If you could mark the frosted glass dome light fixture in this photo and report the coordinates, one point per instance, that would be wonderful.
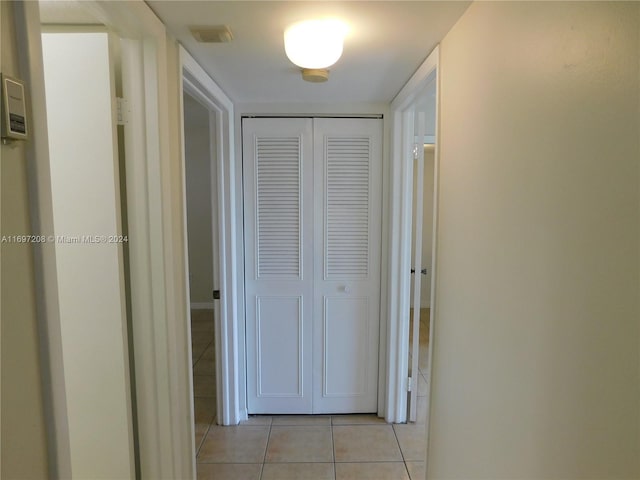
(315, 45)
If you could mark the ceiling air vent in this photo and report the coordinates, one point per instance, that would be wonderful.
(215, 34)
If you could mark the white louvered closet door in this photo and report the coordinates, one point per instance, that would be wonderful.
(312, 193)
(278, 221)
(348, 197)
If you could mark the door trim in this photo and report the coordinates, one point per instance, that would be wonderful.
(164, 440)
(402, 137)
(319, 110)
(199, 84)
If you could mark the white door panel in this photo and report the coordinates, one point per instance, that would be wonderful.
(278, 264)
(348, 162)
(279, 323)
(345, 323)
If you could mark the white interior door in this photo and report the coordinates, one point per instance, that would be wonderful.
(348, 162)
(277, 164)
(312, 264)
(417, 269)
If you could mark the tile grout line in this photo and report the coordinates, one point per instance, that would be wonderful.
(204, 438)
(266, 448)
(202, 354)
(404, 461)
(333, 450)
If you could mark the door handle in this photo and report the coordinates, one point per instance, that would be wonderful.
(423, 271)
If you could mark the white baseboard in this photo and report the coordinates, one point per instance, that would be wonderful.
(201, 305)
(243, 415)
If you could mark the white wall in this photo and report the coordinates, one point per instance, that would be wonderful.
(84, 178)
(197, 132)
(536, 371)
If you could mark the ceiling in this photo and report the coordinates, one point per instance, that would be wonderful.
(65, 12)
(388, 41)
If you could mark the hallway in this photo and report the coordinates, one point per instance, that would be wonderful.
(312, 447)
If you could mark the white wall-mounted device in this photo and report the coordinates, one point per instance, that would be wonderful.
(14, 110)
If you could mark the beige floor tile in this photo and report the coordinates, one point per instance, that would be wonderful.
(234, 445)
(201, 342)
(298, 471)
(368, 419)
(197, 351)
(422, 410)
(423, 359)
(412, 441)
(209, 353)
(365, 443)
(201, 332)
(204, 366)
(416, 470)
(200, 430)
(204, 409)
(371, 471)
(202, 316)
(317, 420)
(422, 385)
(206, 321)
(204, 386)
(229, 471)
(202, 311)
(299, 444)
(257, 420)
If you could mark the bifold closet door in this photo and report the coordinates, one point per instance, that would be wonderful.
(278, 203)
(348, 165)
(312, 195)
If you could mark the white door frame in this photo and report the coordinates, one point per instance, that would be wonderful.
(417, 228)
(402, 140)
(1, 69)
(165, 440)
(201, 86)
(374, 110)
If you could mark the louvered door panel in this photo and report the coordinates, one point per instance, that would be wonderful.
(348, 162)
(278, 206)
(347, 207)
(278, 222)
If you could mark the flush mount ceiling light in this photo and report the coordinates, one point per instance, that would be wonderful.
(315, 45)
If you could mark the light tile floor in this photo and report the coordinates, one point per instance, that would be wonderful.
(300, 447)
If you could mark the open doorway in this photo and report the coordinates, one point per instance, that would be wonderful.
(422, 234)
(199, 151)
(413, 267)
(228, 388)
(421, 270)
